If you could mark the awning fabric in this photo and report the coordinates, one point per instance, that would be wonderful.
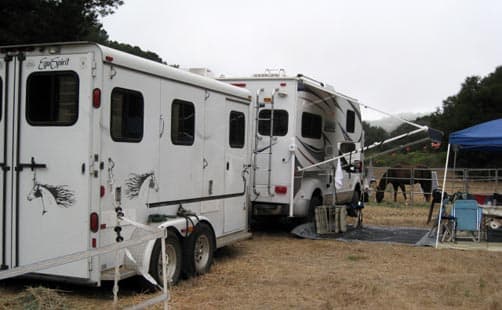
(484, 137)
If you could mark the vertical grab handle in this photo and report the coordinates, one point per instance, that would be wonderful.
(161, 125)
(204, 163)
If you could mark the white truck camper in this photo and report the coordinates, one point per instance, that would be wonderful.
(90, 133)
(300, 122)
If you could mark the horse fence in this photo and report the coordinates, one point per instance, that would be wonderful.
(474, 181)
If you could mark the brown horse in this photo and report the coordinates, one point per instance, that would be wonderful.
(399, 176)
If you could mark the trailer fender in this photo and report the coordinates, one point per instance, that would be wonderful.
(179, 226)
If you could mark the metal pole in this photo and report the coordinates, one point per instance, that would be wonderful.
(255, 151)
(270, 144)
(164, 272)
(424, 128)
(291, 192)
(442, 195)
(412, 183)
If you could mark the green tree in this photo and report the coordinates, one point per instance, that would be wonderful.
(36, 21)
(373, 134)
(479, 100)
(39, 21)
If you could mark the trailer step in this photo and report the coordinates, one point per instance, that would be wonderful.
(125, 272)
(228, 239)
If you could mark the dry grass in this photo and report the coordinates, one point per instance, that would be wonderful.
(277, 271)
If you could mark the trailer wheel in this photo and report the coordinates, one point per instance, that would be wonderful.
(173, 260)
(199, 250)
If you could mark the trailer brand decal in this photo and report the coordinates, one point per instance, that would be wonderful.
(53, 63)
(60, 194)
(135, 182)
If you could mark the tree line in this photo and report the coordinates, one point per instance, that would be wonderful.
(38, 21)
(41, 21)
(478, 100)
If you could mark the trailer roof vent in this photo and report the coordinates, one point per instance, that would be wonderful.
(270, 73)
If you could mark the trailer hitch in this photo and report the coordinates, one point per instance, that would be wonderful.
(33, 165)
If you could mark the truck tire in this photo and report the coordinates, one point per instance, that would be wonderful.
(358, 212)
(173, 260)
(315, 201)
(199, 250)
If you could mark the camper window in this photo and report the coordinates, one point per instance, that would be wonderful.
(351, 121)
(280, 123)
(237, 129)
(182, 122)
(52, 98)
(311, 125)
(126, 115)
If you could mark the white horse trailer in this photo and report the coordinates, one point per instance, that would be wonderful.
(300, 122)
(90, 132)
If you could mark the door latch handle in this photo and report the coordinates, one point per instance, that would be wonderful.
(204, 163)
(4, 167)
(33, 165)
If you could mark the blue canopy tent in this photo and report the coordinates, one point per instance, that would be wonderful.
(482, 137)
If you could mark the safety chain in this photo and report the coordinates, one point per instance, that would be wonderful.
(117, 193)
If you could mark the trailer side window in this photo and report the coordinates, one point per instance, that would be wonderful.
(311, 125)
(351, 121)
(126, 115)
(237, 129)
(182, 122)
(52, 98)
(280, 123)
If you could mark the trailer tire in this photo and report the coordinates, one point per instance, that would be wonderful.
(173, 257)
(199, 250)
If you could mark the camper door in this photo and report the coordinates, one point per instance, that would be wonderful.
(349, 171)
(236, 162)
(45, 185)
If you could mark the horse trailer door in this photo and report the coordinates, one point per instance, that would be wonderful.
(4, 72)
(49, 113)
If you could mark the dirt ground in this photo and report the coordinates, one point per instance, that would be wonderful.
(275, 270)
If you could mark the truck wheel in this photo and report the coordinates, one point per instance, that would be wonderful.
(199, 250)
(173, 260)
(315, 201)
(356, 197)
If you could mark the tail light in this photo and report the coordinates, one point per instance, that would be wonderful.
(279, 189)
(96, 98)
(94, 222)
(102, 191)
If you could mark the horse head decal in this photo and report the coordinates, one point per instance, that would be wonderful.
(135, 182)
(60, 195)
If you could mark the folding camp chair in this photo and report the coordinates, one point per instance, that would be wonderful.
(467, 217)
(447, 223)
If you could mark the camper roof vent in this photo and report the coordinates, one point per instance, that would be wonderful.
(271, 73)
(202, 71)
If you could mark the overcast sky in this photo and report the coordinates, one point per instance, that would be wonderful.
(394, 55)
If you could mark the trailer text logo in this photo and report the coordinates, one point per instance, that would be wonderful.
(53, 63)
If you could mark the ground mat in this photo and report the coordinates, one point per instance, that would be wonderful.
(405, 235)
